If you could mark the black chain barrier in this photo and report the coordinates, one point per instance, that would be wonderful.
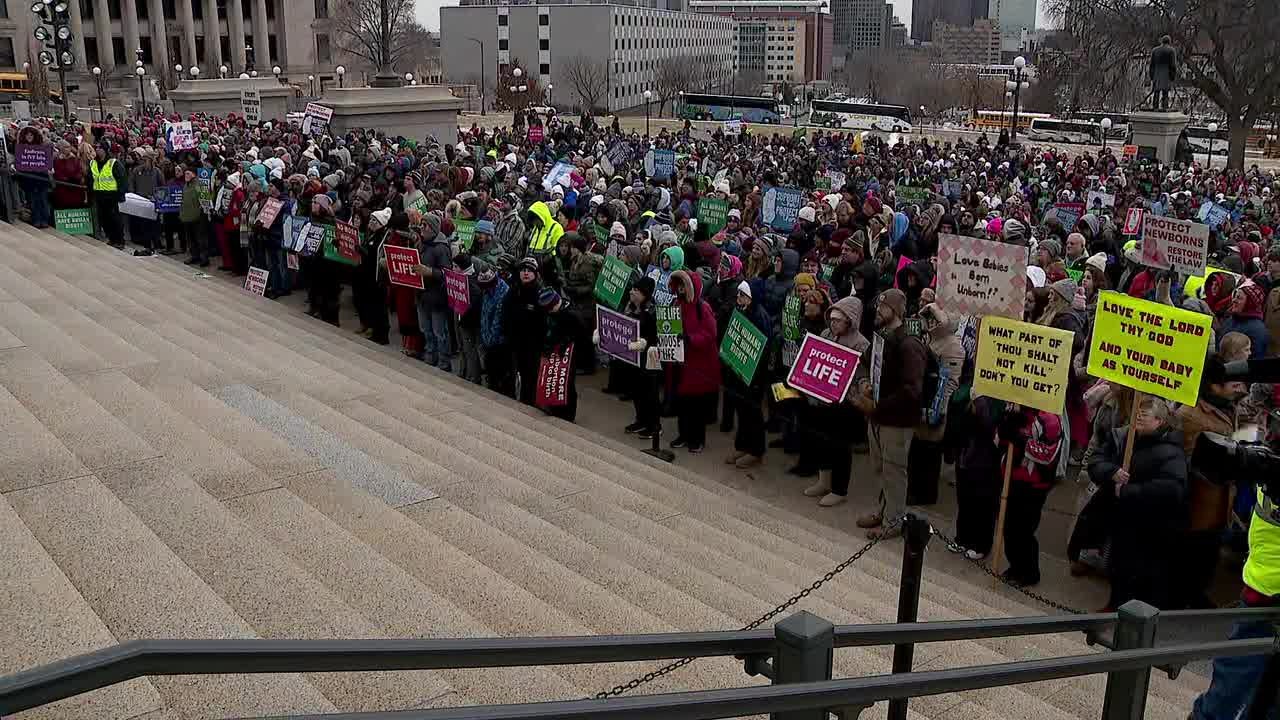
(982, 565)
(889, 529)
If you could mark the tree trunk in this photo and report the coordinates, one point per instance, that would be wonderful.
(1239, 138)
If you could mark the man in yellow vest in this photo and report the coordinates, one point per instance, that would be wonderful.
(107, 181)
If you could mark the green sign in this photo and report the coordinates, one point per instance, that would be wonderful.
(601, 233)
(823, 183)
(420, 204)
(1077, 275)
(670, 322)
(329, 247)
(912, 195)
(74, 221)
(791, 318)
(465, 232)
(742, 347)
(712, 213)
(611, 283)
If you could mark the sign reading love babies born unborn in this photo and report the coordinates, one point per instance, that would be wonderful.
(1173, 244)
(823, 369)
(1152, 348)
(617, 332)
(981, 277)
(1023, 363)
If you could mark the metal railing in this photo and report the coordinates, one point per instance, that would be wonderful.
(796, 654)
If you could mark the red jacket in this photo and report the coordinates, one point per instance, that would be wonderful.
(700, 374)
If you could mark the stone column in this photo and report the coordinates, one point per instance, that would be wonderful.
(212, 41)
(102, 31)
(129, 21)
(188, 21)
(261, 44)
(235, 29)
(77, 34)
(159, 38)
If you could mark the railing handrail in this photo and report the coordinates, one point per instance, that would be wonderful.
(140, 658)
(852, 692)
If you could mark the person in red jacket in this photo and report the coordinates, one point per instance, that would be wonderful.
(699, 381)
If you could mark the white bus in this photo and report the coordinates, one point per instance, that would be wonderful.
(1198, 137)
(1064, 131)
(844, 115)
(1119, 122)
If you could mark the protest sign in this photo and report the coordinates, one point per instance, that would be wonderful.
(1150, 347)
(712, 213)
(73, 221)
(251, 106)
(660, 163)
(137, 206)
(781, 207)
(742, 347)
(291, 261)
(168, 199)
(619, 153)
(458, 290)
(535, 134)
(617, 331)
(33, 158)
(256, 281)
(1173, 244)
(1212, 214)
(837, 179)
(553, 377)
(981, 277)
(347, 240)
(952, 188)
(561, 170)
(662, 295)
(877, 364)
(464, 231)
(183, 137)
(611, 283)
(1129, 151)
(732, 127)
(1097, 199)
(912, 195)
(315, 120)
(271, 208)
(1076, 275)
(402, 264)
(1133, 221)
(791, 309)
(1022, 363)
(1068, 214)
(823, 369)
(670, 328)
(329, 246)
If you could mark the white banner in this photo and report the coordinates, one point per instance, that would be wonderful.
(1173, 244)
(251, 106)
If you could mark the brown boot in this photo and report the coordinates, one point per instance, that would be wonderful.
(872, 520)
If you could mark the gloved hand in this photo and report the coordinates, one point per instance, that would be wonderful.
(595, 337)
(638, 345)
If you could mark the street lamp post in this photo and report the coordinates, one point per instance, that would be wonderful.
(923, 114)
(550, 87)
(648, 95)
(342, 72)
(1017, 85)
(177, 74)
(222, 71)
(408, 78)
(1213, 130)
(275, 70)
(481, 44)
(1106, 128)
(311, 85)
(248, 57)
(99, 80)
(142, 95)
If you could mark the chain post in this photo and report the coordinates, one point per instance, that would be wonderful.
(805, 650)
(1126, 697)
(915, 532)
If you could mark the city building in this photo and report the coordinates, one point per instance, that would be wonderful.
(206, 34)
(898, 33)
(1014, 17)
(977, 44)
(629, 41)
(777, 40)
(924, 13)
(860, 24)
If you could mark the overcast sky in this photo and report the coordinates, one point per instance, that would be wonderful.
(429, 11)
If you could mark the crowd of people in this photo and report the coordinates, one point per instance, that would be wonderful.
(546, 203)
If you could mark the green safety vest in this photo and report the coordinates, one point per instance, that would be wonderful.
(1262, 569)
(104, 177)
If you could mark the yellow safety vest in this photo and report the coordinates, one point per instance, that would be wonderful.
(104, 178)
(1262, 569)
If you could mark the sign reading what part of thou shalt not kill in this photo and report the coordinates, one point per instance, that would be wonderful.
(1022, 363)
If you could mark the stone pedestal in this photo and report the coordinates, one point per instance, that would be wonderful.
(1156, 133)
(414, 111)
(220, 97)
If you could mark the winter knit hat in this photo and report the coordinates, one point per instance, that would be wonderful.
(744, 288)
(1053, 247)
(383, 217)
(895, 300)
(528, 263)
(486, 276)
(1066, 288)
(548, 298)
(618, 230)
(1098, 261)
(485, 226)
(1015, 231)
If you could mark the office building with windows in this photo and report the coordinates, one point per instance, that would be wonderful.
(963, 13)
(779, 41)
(629, 41)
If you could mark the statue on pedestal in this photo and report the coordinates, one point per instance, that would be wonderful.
(1162, 73)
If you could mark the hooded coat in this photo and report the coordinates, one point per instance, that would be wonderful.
(921, 271)
(700, 373)
(851, 307)
(779, 285)
(1249, 320)
(543, 239)
(437, 255)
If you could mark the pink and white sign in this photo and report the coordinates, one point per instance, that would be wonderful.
(458, 290)
(402, 263)
(256, 281)
(981, 277)
(1173, 244)
(1133, 221)
(823, 369)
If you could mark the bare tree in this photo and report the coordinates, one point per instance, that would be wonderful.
(1227, 49)
(867, 71)
(747, 81)
(382, 40)
(674, 74)
(587, 78)
(420, 49)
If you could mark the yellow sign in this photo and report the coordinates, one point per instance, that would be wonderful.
(1152, 348)
(1022, 363)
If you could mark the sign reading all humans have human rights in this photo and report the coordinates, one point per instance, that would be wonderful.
(1152, 348)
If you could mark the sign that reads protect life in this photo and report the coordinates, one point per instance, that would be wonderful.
(981, 277)
(1023, 363)
(1152, 348)
(1173, 244)
(823, 369)
(402, 264)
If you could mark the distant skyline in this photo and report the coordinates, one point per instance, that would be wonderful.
(429, 12)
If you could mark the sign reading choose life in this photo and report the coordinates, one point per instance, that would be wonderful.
(1022, 363)
(981, 277)
(1152, 348)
